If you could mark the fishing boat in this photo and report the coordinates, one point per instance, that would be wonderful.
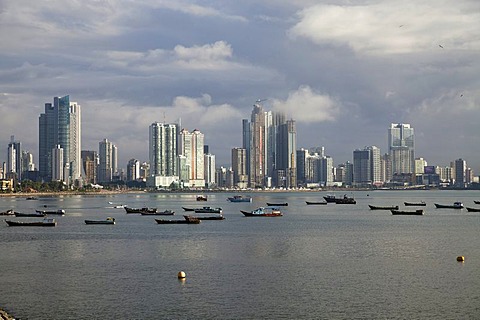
(345, 200)
(415, 204)
(476, 201)
(473, 209)
(329, 198)
(140, 210)
(9, 212)
(47, 222)
(316, 202)
(263, 212)
(277, 204)
(240, 198)
(418, 212)
(35, 214)
(202, 198)
(57, 212)
(372, 207)
(208, 210)
(109, 220)
(455, 205)
(187, 220)
(158, 213)
(215, 217)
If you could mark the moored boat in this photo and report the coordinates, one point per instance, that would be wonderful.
(208, 210)
(263, 212)
(455, 205)
(109, 220)
(418, 212)
(140, 210)
(476, 202)
(35, 214)
(215, 217)
(188, 209)
(202, 198)
(316, 202)
(330, 198)
(47, 222)
(9, 212)
(158, 213)
(469, 209)
(372, 207)
(345, 200)
(415, 204)
(240, 198)
(277, 204)
(57, 212)
(187, 220)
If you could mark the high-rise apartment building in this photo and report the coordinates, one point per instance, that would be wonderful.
(209, 162)
(190, 145)
(401, 147)
(163, 149)
(107, 160)
(60, 125)
(91, 161)
(460, 167)
(133, 170)
(239, 167)
(270, 143)
(14, 158)
(367, 167)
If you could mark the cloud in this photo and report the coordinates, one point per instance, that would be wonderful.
(387, 27)
(305, 105)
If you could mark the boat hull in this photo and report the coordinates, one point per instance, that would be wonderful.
(99, 222)
(448, 206)
(269, 214)
(316, 203)
(188, 220)
(415, 204)
(473, 209)
(160, 213)
(273, 204)
(408, 213)
(11, 223)
(372, 207)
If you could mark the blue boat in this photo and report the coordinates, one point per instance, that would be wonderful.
(240, 198)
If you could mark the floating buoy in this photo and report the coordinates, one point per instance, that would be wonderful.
(181, 275)
(460, 258)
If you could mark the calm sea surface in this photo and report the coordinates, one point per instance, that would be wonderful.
(315, 262)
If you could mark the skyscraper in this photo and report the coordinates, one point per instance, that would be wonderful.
(14, 158)
(60, 125)
(270, 144)
(401, 147)
(91, 161)
(163, 149)
(191, 146)
(367, 166)
(106, 153)
(239, 167)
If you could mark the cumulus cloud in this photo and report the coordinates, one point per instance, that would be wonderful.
(386, 27)
(305, 105)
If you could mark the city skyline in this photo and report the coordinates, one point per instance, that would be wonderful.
(344, 72)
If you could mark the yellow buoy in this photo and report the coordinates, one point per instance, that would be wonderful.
(181, 275)
(460, 258)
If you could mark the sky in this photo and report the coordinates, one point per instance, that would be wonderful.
(344, 70)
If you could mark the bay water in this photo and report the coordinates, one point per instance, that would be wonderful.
(315, 262)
